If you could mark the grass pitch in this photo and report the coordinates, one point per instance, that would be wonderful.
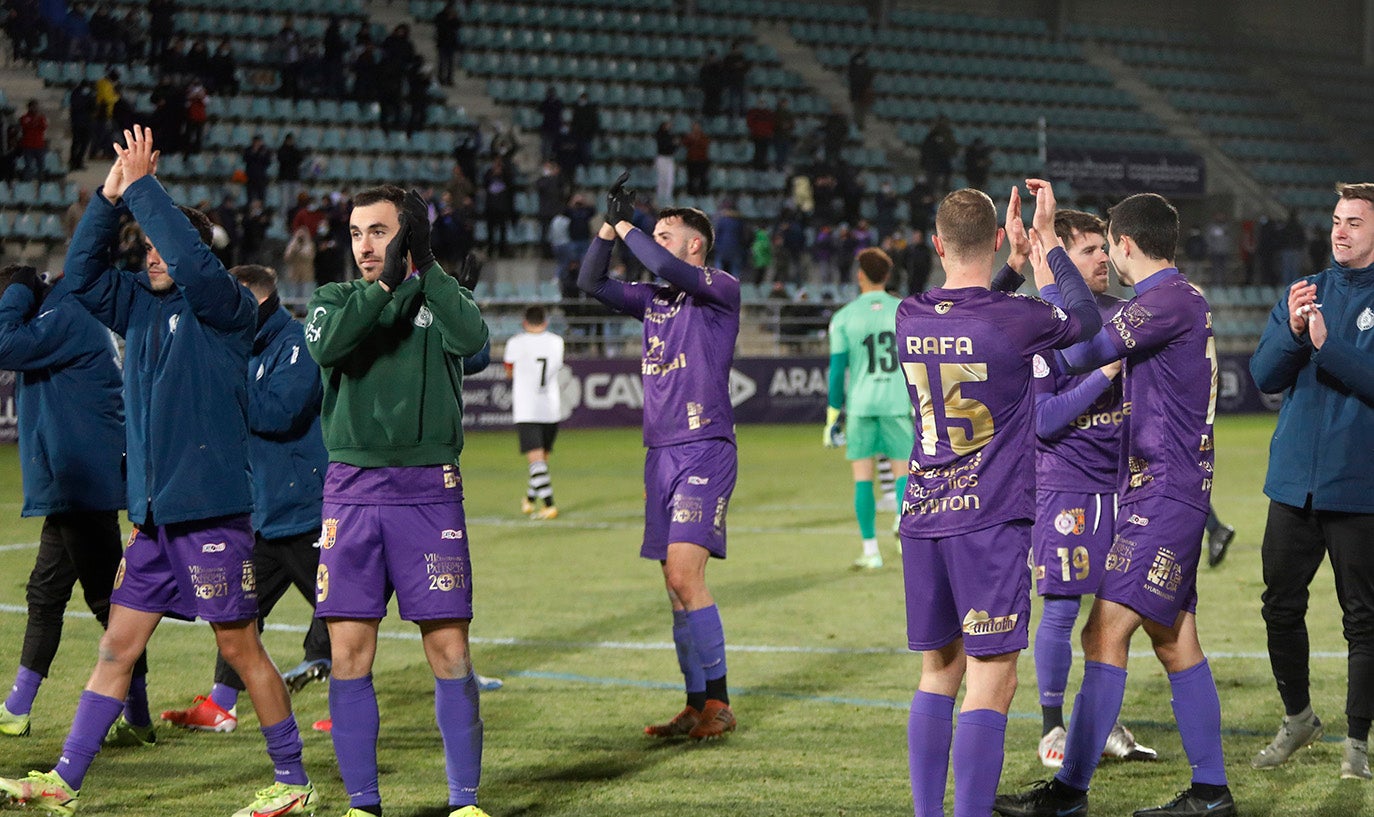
(578, 627)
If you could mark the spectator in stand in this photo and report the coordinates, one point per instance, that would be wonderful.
(335, 56)
(257, 158)
(791, 240)
(81, 110)
(289, 159)
(552, 191)
(860, 86)
(467, 144)
(287, 53)
(223, 76)
(921, 202)
(834, 134)
(1319, 247)
(730, 239)
(580, 214)
(1292, 242)
(499, 184)
(197, 114)
(556, 236)
(567, 152)
(161, 25)
(885, 203)
(760, 121)
(784, 133)
(460, 186)
(256, 220)
(550, 120)
(168, 117)
(846, 247)
(586, 126)
(24, 28)
(172, 60)
(226, 215)
(421, 88)
(977, 164)
(916, 262)
(698, 149)
(105, 36)
(75, 211)
(197, 62)
(1221, 248)
(366, 84)
(665, 165)
(106, 95)
(735, 72)
(132, 29)
(761, 253)
(447, 234)
(33, 140)
(711, 81)
(937, 155)
(76, 30)
(300, 264)
(332, 239)
(448, 29)
(1265, 269)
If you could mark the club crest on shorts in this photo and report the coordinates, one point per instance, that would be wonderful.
(1366, 319)
(321, 584)
(1071, 521)
(329, 533)
(248, 580)
(450, 476)
(1165, 572)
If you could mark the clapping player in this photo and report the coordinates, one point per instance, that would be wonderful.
(967, 356)
(188, 331)
(691, 320)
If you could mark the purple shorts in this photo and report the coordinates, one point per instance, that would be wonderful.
(1072, 535)
(418, 551)
(188, 570)
(1152, 565)
(687, 490)
(973, 586)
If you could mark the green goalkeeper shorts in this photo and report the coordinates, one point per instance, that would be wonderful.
(891, 437)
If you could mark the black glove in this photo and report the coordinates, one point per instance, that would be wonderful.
(417, 214)
(395, 268)
(620, 203)
(469, 271)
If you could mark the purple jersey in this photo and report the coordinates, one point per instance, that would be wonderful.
(1078, 454)
(1165, 335)
(690, 326)
(967, 355)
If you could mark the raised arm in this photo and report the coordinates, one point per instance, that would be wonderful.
(97, 285)
(1282, 353)
(594, 278)
(36, 343)
(714, 286)
(341, 317)
(455, 311)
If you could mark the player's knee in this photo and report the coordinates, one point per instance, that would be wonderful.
(117, 651)
(239, 646)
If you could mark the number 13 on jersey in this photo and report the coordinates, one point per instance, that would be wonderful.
(967, 424)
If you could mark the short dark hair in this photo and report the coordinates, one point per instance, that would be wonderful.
(201, 222)
(1069, 222)
(535, 315)
(875, 264)
(966, 222)
(380, 193)
(261, 280)
(694, 219)
(1151, 222)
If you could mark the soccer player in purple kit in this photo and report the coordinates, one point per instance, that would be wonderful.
(1078, 422)
(967, 353)
(391, 346)
(188, 330)
(691, 321)
(1165, 480)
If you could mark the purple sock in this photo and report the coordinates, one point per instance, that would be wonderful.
(284, 747)
(226, 697)
(459, 717)
(1054, 649)
(928, 733)
(1197, 709)
(693, 678)
(708, 634)
(95, 714)
(978, 750)
(25, 689)
(353, 706)
(136, 703)
(1095, 711)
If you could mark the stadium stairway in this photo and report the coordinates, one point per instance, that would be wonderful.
(877, 133)
(1224, 174)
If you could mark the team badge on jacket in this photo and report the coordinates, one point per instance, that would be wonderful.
(1366, 319)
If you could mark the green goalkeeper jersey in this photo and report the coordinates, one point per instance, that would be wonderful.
(866, 331)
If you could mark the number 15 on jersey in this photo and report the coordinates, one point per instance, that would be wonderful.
(962, 422)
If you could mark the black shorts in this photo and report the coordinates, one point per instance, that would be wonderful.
(536, 435)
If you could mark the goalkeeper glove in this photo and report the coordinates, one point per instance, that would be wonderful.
(833, 435)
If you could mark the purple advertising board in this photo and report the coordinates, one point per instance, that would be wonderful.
(607, 393)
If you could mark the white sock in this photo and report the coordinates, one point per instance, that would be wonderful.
(870, 547)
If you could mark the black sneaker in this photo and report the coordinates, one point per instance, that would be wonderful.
(1217, 543)
(300, 676)
(1045, 798)
(1187, 804)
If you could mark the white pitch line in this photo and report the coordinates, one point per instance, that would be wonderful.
(21, 546)
(653, 646)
